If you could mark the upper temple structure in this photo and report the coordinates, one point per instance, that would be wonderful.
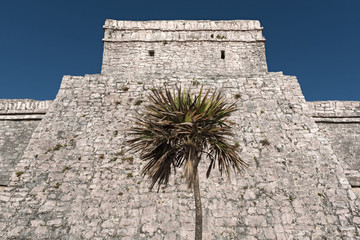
(183, 47)
(65, 172)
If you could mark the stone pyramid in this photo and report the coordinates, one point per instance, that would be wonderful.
(75, 179)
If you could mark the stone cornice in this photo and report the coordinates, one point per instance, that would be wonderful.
(23, 109)
(183, 31)
(335, 111)
(184, 25)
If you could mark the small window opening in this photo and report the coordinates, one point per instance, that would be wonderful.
(151, 53)
(222, 54)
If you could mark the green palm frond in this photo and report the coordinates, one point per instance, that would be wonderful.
(177, 127)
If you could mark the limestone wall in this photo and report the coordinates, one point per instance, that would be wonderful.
(340, 123)
(79, 182)
(83, 185)
(183, 46)
(18, 120)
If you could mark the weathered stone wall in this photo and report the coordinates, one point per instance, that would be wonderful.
(183, 47)
(78, 181)
(339, 121)
(18, 120)
(83, 185)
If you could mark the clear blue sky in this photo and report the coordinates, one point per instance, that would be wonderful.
(41, 40)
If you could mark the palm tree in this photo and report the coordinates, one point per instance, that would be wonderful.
(176, 129)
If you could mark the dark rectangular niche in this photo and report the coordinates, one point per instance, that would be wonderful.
(151, 53)
(222, 54)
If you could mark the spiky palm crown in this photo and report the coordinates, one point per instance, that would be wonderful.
(177, 128)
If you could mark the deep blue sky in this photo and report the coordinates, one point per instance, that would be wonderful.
(41, 40)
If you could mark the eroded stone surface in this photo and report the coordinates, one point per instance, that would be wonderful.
(340, 123)
(84, 185)
(18, 120)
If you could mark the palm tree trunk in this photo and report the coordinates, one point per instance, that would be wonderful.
(198, 209)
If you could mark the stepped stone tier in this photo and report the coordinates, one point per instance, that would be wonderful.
(75, 179)
(18, 119)
(340, 123)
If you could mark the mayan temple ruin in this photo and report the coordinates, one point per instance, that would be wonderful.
(65, 172)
